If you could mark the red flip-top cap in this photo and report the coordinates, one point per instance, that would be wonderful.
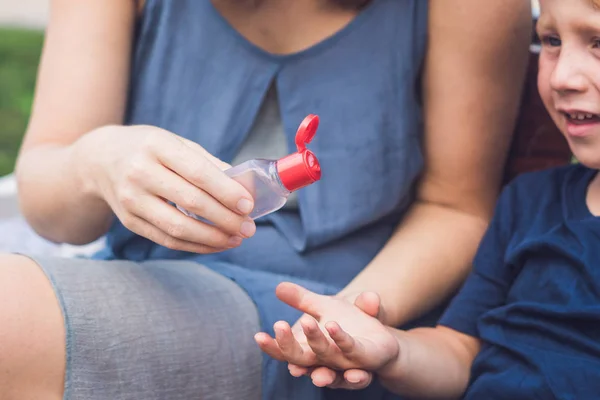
(302, 168)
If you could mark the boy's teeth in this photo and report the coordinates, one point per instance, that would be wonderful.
(581, 116)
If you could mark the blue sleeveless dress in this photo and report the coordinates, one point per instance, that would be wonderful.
(195, 75)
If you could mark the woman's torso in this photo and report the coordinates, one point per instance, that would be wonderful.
(197, 76)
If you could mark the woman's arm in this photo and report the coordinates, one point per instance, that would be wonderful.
(79, 167)
(474, 72)
(82, 85)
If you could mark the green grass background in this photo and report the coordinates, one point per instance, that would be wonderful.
(19, 58)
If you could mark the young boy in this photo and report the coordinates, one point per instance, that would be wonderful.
(526, 323)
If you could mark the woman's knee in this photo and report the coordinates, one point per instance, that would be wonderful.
(32, 337)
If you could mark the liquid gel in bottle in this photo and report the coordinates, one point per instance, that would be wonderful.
(270, 182)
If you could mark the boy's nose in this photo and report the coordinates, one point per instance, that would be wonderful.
(567, 75)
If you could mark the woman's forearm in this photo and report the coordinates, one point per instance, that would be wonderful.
(426, 259)
(81, 86)
(434, 363)
(55, 195)
(473, 75)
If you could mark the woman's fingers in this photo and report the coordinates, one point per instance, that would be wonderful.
(178, 227)
(298, 371)
(222, 165)
(192, 164)
(148, 230)
(170, 186)
(369, 302)
(356, 379)
(323, 376)
(352, 379)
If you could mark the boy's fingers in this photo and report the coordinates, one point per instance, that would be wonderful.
(301, 299)
(288, 345)
(315, 337)
(269, 346)
(341, 338)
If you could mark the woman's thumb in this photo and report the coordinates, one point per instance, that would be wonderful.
(369, 303)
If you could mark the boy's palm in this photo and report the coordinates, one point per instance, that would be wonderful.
(355, 340)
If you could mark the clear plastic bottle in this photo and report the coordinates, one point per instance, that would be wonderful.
(270, 182)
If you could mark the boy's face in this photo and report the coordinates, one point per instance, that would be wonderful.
(569, 73)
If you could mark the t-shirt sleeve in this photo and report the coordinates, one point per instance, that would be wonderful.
(487, 285)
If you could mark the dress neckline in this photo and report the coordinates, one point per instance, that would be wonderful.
(319, 46)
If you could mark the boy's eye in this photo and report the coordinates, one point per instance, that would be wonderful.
(596, 43)
(553, 41)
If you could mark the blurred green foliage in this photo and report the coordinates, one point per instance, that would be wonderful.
(20, 51)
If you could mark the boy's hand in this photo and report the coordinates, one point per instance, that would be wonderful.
(352, 379)
(335, 333)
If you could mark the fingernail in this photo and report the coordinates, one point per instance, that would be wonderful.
(248, 228)
(234, 241)
(244, 206)
(353, 380)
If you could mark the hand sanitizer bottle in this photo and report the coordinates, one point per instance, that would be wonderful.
(270, 182)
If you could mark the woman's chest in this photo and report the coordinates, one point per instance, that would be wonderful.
(285, 27)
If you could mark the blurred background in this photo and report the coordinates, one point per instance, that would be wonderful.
(21, 36)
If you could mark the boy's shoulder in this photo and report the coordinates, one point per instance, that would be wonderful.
(543, 194)
(547, 181)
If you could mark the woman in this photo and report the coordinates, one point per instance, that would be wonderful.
(139, 106)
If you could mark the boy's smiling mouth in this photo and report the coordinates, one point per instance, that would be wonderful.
(580, 123)
(581, 117)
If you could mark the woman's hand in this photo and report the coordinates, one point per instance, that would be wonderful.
(138, 170)
(335, 334)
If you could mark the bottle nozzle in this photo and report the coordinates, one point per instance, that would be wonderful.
(302, 168)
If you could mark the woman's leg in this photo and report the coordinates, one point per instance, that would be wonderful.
(32, 336)
(156, 330)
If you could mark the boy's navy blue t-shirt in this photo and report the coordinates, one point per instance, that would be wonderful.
(533, 297)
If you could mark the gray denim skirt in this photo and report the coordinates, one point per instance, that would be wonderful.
(158, 330)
